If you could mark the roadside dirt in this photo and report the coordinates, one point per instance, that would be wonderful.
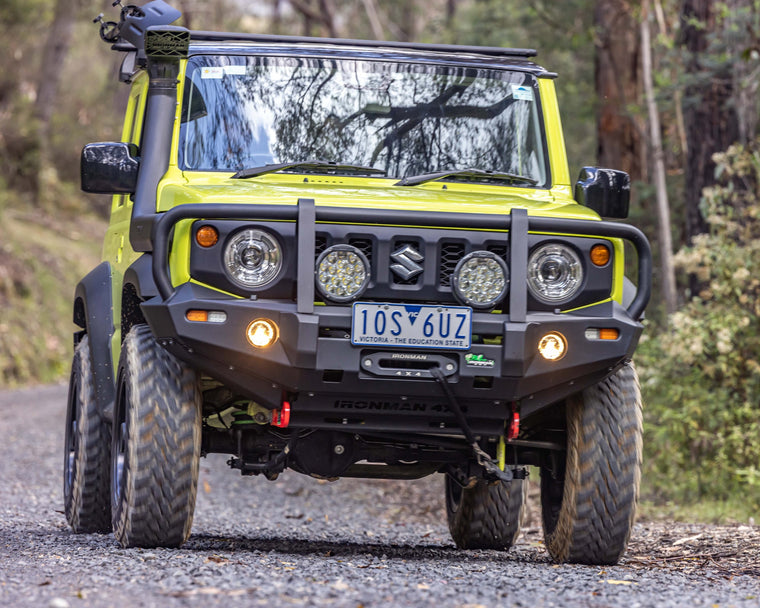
(303, 542)
(722, 550)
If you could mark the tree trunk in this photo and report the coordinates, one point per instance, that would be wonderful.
(53, 56)
(618, 85)
(709, 116)
(668, 278)
(374, 19)
(322, 13)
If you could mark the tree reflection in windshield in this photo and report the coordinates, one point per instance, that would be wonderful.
(406, 119)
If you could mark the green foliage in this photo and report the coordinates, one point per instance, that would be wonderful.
(701, 375)
(23, 12)
(562, 33)
(41, 259)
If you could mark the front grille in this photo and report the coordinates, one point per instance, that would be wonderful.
(451, 253)
(363, 245)
(320, 244)
(500, 250)
(435, 253)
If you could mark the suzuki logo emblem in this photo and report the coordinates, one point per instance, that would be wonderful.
(407, 260)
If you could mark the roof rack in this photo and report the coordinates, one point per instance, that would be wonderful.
(201, 36)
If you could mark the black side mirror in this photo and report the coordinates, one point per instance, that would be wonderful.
(109, 168)
(606, 191)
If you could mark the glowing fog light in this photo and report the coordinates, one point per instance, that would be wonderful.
(262, 333)
(480, 279)
(552, 346)
(342, 273)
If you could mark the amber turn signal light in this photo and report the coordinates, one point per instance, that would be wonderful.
(206, 236)
(603, 333)
(206, 316)
(197, 315)
(600, 255)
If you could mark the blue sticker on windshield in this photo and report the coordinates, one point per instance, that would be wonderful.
(522, 93)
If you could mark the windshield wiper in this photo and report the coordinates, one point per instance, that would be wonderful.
(473, 174)
(309, 166)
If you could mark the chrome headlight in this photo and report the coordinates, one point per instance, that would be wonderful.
(555, 273)
(342, 273)
(253, 258)
(480, 279)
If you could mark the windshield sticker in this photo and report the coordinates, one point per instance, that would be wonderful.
(213, 72)
(522, 93)
(235, 70)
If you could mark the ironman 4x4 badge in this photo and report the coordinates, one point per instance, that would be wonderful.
(478, 360)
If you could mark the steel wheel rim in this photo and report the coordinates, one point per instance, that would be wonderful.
(118, 456)
(71, 456)
(453, 495)
(71, 445)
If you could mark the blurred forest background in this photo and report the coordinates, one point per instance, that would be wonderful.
(664, 89)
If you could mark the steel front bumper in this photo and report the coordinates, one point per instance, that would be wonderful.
(314, 360)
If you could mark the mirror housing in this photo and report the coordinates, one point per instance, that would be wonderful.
(606, 191)
(109, 168)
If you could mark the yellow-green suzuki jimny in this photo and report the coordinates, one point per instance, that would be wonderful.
(353, 259)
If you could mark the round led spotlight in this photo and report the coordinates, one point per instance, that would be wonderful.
(555, 273)
(262, 333)
(252, 258)
(342, 273)
(480, 279)
(552, 346)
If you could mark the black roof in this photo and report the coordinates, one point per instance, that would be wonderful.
(483, 56)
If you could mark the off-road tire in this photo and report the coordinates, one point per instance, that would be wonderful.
(87, 453)
(588, 513)
(156, 445)
(486, 516)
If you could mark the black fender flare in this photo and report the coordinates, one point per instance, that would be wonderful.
(140, 276)
(93, 312)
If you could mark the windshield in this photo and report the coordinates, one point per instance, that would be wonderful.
(402, 118)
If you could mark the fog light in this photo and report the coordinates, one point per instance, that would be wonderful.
(262, 333)
(552, 346)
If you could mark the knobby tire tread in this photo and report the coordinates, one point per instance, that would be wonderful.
(163, 446)
(87, 503)
(488, 516)
(593, 522)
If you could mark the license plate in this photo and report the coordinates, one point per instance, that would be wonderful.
(411, 326)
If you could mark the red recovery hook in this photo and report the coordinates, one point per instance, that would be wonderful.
(281, 417)
(514, 426)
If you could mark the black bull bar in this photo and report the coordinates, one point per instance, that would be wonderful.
(307, 214)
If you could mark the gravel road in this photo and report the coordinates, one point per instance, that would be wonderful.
(298, 541)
